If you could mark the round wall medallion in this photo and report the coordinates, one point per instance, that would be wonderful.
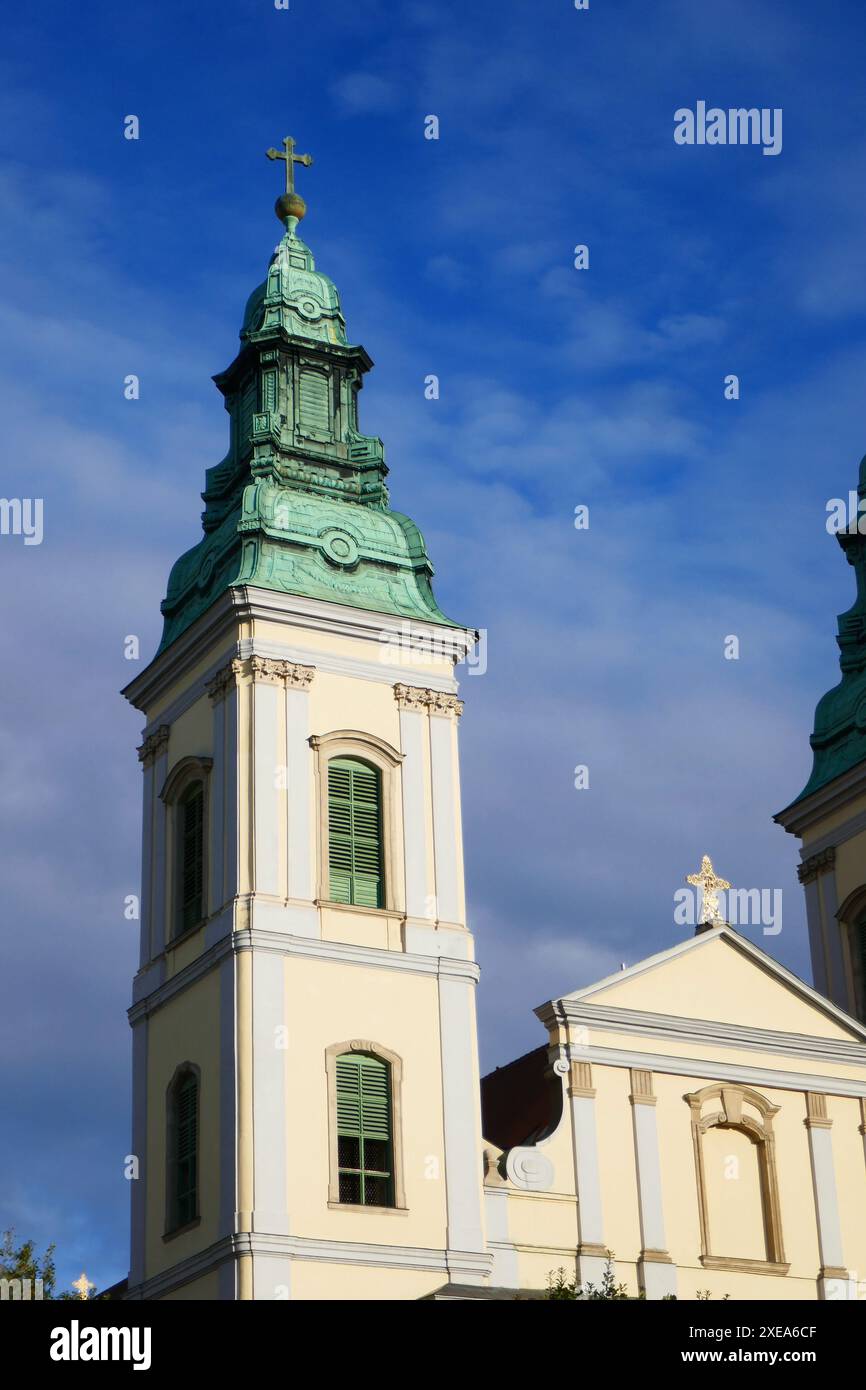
(529, 1169)
(309, 308)
(340, 547)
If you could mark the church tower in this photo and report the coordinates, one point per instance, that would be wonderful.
(829, 815)
(305, 1074)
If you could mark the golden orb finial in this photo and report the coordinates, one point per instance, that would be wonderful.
(290, 203)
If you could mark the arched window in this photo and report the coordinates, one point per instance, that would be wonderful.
(185, 795)
(182, 1131)
(364, 1131)
(355, 833)
(190, 857)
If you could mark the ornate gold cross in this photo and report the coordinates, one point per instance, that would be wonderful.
(291, 160)
(711, 885)
(83, 1285)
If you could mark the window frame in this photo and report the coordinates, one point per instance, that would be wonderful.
(732, 1098)
(185, 1072)
(365, 748)
(395, 1077)
(179, 781)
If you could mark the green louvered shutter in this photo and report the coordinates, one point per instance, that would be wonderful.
(354, 833)
(191, 856)
(186, 1156)
(364, 1139)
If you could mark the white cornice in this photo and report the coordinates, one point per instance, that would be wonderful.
(833, 796)
(370, 957)
(303, 1248)
(712, 1070)
(608, 1018)
(314, 615)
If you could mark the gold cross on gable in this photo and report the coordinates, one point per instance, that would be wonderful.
(711, 885)
(291, 159)
(83, 1285)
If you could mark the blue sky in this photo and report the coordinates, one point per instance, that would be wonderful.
(558, 387)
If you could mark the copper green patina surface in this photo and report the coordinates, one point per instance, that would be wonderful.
(839, 739)
(300, 504)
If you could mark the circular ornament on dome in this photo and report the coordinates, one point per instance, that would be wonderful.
(309, 308)
(340, 547)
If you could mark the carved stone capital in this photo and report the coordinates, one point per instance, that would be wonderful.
(264, 668)
(434, 701)
(299, 677)
(581, 1080)
(816, 1111)
(441, 703)
(411, 697)
(155, 744)
(641, 1087)
(275, 672)
(219, 686)
(813, 866)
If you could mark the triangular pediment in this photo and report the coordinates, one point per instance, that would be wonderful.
(721, 975)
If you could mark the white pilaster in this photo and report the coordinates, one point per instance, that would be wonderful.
(145, 905)
(216, 823)
(227, 1101)
(591, 1250)
(449, 907)
(505, 1266)
(656, 1271)
(161, 908)
(266, 793)
(833, 1279)
(139, 1150)
(299, 779)
(412, 730)
(231, 821)
(269, 1094)
(461, 1117)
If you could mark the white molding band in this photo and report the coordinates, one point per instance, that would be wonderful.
(471, 1269)
(721, 1071)
(610, 1018)
(244, 603)
(373, 957)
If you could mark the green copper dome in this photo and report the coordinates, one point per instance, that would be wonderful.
(300, 504)
(839, 739)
